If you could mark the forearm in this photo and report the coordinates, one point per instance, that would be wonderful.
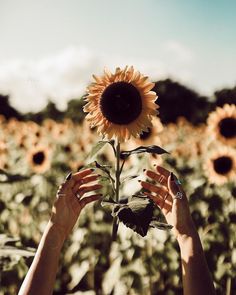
(41, 275)
(196, 276)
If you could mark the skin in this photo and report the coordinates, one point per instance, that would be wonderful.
(71, 199)
(196, 276)
(69, 203)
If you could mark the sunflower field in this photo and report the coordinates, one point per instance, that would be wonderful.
(36, 155)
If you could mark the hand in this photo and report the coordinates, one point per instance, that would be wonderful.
(69, 202)
(175, 210)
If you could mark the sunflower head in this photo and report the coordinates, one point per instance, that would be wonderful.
(223, 164)
(121, 104)
(222, 124)
(39, 159)
(220, 166)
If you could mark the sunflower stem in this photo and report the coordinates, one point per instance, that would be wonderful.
(117, 170)
(117, 190)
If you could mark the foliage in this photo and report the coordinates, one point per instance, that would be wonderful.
(91, 261)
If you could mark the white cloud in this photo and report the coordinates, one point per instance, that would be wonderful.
(65, 75)
(60, 78)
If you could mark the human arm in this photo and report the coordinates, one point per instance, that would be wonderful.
(66, 210)
(196, 276)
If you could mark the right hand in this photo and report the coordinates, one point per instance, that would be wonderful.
(175, 210)
(70, 199)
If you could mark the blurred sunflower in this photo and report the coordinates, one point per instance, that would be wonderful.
(121, 104)
(222, 124)
(151, 135)
(89, 134)
(76, 165)
(49, 124)
(2, 119)
(220, 166)
(39, 159)
(3, 161)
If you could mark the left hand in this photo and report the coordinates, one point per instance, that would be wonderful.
(163, 192)
(69, 202)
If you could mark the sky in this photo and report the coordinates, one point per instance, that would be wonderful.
(50, 49)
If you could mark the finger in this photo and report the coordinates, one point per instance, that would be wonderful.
(160, 202)
(89, 178)
(154, 188)
(89, 199)
(163, 195)
(78, 175)
(161, 170)
(84, 189)
(157, 177)
(83, 181)
(156, 199)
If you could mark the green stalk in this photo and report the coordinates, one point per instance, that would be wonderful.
(117, 190)
(117, 171)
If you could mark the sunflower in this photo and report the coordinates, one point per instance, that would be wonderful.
(39, 159)
(49, 124)
(220, 166)
(3, 161)
(152, 135)
(121, 105)
(76, 165)
(2, 119)
(222, 124)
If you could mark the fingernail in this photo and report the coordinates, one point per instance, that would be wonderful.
(69, 176)
(172, 176)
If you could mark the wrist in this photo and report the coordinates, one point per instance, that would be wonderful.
(55, 235)
(189, 244)
(187, 234)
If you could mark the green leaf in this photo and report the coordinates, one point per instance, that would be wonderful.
(11, 251)
(97, 147)
(160, 225)
(136, 214)
(6, 177)
(4, 239)
(104, 180)
(108, 202)
(152, 149)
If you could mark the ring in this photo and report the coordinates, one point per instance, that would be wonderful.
(61, 195)
(179, 195)
(161, 178)
(166, 196)
(177, 181)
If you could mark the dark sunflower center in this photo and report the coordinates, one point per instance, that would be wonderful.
(146, 134)
(67, 148)
(227, 127)
(38, 158)
(121, 103)
(223, 165)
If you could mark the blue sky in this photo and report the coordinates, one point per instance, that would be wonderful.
(193, 42)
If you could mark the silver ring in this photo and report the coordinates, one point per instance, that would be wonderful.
(179, 195)
(177, 181)
(166, 196)
(61, 195)
(161, 178)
